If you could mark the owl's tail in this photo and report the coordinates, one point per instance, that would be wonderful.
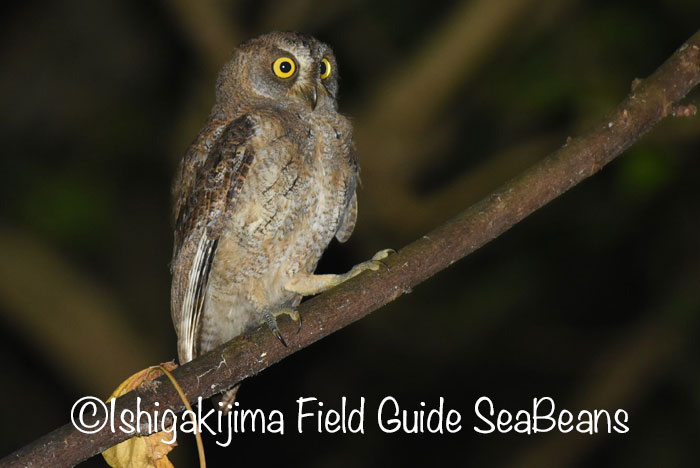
(225, 401)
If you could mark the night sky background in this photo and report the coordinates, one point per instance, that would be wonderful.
(593, 301)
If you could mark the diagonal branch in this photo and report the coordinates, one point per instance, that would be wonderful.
(650, 101)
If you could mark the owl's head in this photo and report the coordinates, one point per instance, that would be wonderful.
(286, 68)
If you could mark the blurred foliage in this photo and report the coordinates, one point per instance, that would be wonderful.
(592, 301)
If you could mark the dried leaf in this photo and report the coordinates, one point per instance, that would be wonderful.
(141, 452)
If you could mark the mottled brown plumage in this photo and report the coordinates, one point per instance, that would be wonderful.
(264, 188)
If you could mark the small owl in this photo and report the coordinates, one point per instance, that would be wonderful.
(267, 184)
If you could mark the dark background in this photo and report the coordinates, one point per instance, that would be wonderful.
(593, 300)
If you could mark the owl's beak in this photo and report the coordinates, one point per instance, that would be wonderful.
(310, 94)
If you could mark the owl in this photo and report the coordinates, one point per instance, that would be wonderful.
(269, 181)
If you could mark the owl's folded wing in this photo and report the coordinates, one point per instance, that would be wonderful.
(347, 219)
(212, 177)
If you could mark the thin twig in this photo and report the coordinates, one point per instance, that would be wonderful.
(650, 101)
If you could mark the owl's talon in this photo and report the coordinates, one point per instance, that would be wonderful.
(382, 254)
(293, 314)
(385, 265)
(271, 322)
(372, 264)
(378, 257)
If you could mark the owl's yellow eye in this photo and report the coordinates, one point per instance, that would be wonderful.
(325, 68)
(284, 67)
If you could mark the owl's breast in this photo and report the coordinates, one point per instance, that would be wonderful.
(289, 207)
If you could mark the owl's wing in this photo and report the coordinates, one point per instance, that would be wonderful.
(347, 220)
(206, 192)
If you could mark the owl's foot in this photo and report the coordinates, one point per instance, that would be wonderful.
(372, 264)
(309, 284)
(270, 319)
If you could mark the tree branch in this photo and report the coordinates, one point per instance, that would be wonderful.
(650, 101)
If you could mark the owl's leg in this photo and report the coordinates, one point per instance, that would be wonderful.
(307, 284)
(270, 318)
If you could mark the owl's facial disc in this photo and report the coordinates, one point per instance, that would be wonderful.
(287, 72)
(285, 68)
(298, 71)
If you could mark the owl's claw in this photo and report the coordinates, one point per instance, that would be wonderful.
(270, 319)
(372, 264)
(271, 322)
(381, 255)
